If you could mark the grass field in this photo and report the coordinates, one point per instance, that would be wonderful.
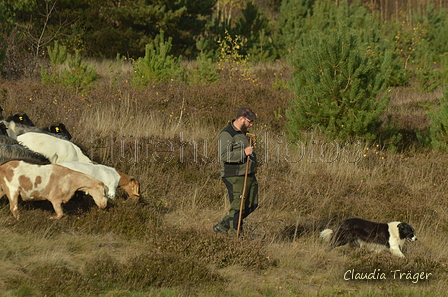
(166, 136)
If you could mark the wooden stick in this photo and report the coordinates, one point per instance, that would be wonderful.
(240, 217)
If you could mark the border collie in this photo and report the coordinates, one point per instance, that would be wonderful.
(375, 236)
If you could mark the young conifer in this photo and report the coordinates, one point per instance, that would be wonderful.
(339, 84)
(342, 69)
(438, 126)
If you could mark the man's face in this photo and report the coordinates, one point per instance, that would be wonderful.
(247, 123)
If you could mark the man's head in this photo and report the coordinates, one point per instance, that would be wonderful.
(245, 118)
(246, 112)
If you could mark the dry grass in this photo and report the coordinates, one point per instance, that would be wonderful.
(165, 135)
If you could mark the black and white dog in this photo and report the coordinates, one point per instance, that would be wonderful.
(375, 236)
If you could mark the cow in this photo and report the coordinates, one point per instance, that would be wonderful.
(20, 117)
(56, 129)
(52, 182)
(108, 175)
(17, 151)
(4, 139)
(130, 185)
(57, 150)
(111, 177)
(3, 129)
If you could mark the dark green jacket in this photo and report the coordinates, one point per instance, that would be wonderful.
(232, 143)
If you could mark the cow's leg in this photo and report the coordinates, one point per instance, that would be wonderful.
(13, 204)
(58, 209)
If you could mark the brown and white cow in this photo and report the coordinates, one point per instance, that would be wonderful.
(111, 177)
(51, 182)
(130, 185)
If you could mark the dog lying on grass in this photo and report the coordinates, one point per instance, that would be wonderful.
(374, 236)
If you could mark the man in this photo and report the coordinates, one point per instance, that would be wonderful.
(235, 151)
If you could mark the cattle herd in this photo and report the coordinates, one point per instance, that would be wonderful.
(44, 164)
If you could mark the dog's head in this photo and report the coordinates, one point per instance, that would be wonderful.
(406, 232)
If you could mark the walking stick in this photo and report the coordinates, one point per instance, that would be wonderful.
(240, 217)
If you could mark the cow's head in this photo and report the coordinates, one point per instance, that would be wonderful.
(59, 128)
(21, 118)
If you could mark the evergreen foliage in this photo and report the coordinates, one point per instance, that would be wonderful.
(255, 29)
(339, 86)
(205, 73)
(300, 17)
(433, 27)
(429, 48)
(157, 65)
(58, 54)
(79, 75)
(2, 54)
(291, 23)
(11, 11)
(438, 126)
(342, 69)
(10, 37)
(68, 70)
(125, 26)
(190, 26)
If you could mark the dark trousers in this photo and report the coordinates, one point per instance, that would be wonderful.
(235, 187)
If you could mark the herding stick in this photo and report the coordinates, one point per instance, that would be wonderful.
(240, 217)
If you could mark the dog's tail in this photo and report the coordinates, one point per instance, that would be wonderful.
(326, 235)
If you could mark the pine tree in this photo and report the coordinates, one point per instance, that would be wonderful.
(254, 26)
(291, 23)
(338, 85)
(438, 126)
(342, 69)
(157, 64)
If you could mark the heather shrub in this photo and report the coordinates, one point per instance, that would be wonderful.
(81, 215)
(139, 273)
(50, 280)
(366, 261)
(54, 279)
(150, 269)
(129, 220)
(208, 248)
(15, 61)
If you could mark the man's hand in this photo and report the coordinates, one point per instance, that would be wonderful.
(248, 150)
